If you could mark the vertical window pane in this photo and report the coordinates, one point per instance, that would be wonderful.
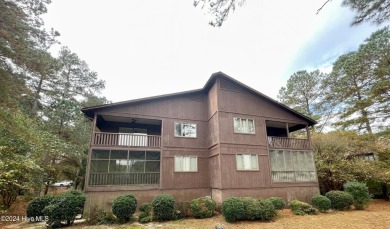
(247, 161)
(251, 126)
(118, 166)
(178, 163)
(99, 166)
(193, 164)
(254, 162)
(178, 129)
(240, 161)
(152, 167)
(136, 166)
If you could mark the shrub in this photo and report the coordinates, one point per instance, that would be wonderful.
(360, 194)
(302, 208)
(36, 206)
(163, 207)
(203, 207)
(124, 207)
(100, 217)
(251, 208)
(184, 208)
(144, 217)
(146, 213)
(233, 209)
(340, 200)
(267, 210)
(278, 203)
(146, 208)
(64, 208)
(321, 202)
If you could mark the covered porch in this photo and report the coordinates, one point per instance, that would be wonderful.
(117, 131)
(284, 135)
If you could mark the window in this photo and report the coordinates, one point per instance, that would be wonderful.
(186, 164)
(185, 130)
(244, 125)
(292, 166)
(124, 167)
(247, 162)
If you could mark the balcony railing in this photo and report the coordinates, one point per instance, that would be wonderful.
(105, 179)
(123, 139)
(288, 143)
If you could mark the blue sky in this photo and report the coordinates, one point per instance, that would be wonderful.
(143, 48)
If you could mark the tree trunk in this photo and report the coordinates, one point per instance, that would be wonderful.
(34, 107)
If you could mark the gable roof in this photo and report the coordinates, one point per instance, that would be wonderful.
(89, 111)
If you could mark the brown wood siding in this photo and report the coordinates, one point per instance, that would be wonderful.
(212, 134)
(183, 180)
(214, 168)
(249, 104)
(228, 135)
(212, 101)
(244, 179)
(169, 139)
(180, 108)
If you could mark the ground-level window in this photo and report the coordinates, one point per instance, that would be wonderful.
(124, 167)
(186, 164)
(247, 162)
(244, 125)
(185, 129)
(292, 166)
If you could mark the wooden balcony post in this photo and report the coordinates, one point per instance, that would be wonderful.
(287, 130)
(308, 136)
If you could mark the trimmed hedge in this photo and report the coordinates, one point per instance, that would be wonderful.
(146, 213)
(64, 208)
(203, 207)
(163, 207)
(278, 203)
(340, 200)
(360, 194)
(251, 208)
(267, 210)
(123, 207)
(322, 203)
(302, 208)
(36, 206)
(233, 209)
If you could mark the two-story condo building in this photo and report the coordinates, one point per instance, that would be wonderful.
(223, 140)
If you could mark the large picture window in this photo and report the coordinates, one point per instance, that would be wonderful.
(247, 162)
(292, 166)
(185, 129)
(186, 164)
(124, 167)
(244, 125)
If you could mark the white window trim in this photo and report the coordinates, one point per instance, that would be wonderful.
(257, 162)
(254, 126)
(183, 156)
(174, 129)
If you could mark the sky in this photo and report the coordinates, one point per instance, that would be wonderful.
(143, 48)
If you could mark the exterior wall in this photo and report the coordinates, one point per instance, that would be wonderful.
(104, 199)
(215, 146)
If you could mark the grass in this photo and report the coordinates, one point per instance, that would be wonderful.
(377, 215)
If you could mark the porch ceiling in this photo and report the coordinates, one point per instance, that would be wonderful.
(121, 119)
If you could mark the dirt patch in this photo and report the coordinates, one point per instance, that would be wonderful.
(377, 215)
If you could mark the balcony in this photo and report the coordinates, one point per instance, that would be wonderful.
(288, 143)
(125, 179)
(126, 140)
